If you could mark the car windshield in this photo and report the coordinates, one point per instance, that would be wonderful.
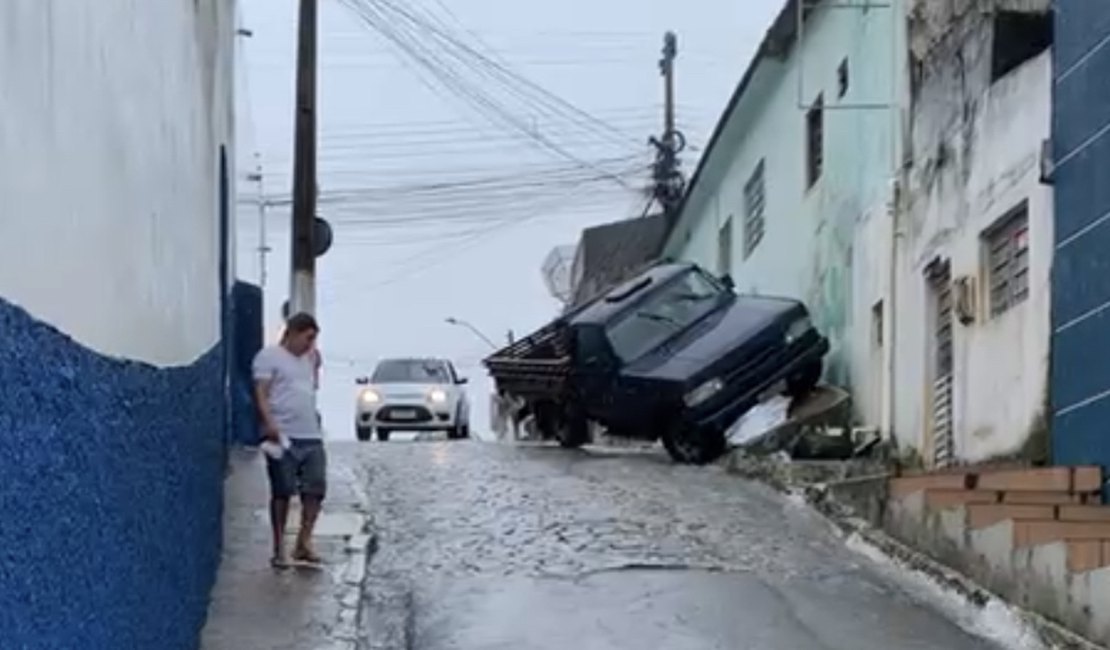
(662, 314)
(411, 372)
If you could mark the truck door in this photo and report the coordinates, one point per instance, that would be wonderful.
(595, 370)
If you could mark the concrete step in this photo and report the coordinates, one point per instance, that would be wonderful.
(1037, 533)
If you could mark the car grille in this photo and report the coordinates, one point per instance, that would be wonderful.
(415, 414)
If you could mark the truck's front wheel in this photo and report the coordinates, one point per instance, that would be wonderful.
(693, 445)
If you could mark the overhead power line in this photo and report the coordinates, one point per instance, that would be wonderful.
(440, 54)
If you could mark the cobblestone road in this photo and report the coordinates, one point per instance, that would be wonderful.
(484, 546)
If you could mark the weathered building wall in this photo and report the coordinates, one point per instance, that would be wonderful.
(976, 157)
(826, 244)
(116, 228)
(1081, 281)
(113, 115)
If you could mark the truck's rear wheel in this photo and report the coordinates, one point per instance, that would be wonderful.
(693, 445)
(563, 424)
(573, 432)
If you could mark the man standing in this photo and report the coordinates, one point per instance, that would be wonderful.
(285, 393)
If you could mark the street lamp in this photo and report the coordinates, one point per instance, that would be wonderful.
(475, 330)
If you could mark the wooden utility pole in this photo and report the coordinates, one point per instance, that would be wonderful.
(302, 286)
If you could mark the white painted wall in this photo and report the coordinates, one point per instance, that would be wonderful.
(111, 118)
(827, 245)
(1001, 364)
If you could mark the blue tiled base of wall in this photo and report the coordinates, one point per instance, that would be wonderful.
(111, 486)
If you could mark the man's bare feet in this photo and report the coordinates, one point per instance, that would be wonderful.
(306, 554)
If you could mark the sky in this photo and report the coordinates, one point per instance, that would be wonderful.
(460, 142)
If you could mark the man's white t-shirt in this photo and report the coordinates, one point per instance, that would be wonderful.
(292, 390)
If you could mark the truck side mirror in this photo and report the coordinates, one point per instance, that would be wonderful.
(462, 380)
(727, 280)
(362, 381)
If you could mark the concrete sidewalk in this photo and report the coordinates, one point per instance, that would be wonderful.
(255, 607)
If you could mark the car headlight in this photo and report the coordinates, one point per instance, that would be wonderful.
(370, 397)
(798, 329)
(704, 392)
(437, 396)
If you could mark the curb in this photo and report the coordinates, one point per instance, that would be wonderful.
(819, 500)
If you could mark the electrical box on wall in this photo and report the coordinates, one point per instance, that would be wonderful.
(964, 289)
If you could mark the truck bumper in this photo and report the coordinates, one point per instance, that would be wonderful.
(723, 415)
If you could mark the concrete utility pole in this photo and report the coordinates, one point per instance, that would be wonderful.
(666, 66)
(263, 242)
(302, 286)
(668, 180)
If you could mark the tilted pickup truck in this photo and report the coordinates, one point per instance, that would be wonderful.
(673, 353)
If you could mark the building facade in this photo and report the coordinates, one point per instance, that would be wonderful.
(974, 250)
(886, 165)
(116, 145)
(794, 193)
(1080, 282)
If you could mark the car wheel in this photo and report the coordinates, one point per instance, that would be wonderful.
(693, 445)
(805, 380)
(383, 435)
(363, 433)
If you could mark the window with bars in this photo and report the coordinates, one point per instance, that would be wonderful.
(815, 141)
(724, 248)
(754, 202)
(1006, 249)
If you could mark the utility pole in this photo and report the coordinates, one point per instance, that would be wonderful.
(666, 67)
(263, 240)
(303, 277)
(669, 183)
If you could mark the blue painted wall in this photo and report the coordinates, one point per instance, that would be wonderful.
(246, 340)
(111, 483)
(1081, 273)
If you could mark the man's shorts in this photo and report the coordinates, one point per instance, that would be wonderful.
(302, 470)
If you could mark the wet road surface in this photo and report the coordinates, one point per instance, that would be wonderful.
(485, 546)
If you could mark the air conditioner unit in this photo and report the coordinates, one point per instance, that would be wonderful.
(966, 299)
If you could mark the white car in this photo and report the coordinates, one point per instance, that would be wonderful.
(412, 395)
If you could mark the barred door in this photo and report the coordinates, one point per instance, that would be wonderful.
(940, 284)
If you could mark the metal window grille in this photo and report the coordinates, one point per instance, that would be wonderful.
(754, 203)
(1007, 252)
(815, 141)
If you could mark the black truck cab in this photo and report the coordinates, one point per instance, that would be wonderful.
(673, 353)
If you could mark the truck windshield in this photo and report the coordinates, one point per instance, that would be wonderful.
(663, 313)
(411, 372)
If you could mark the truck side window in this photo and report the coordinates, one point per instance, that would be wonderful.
(590, 347)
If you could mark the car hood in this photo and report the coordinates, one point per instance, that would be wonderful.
(717, 341)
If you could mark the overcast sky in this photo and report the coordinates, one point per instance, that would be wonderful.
(448, 174)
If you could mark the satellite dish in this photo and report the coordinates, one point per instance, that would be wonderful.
(557, 269)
